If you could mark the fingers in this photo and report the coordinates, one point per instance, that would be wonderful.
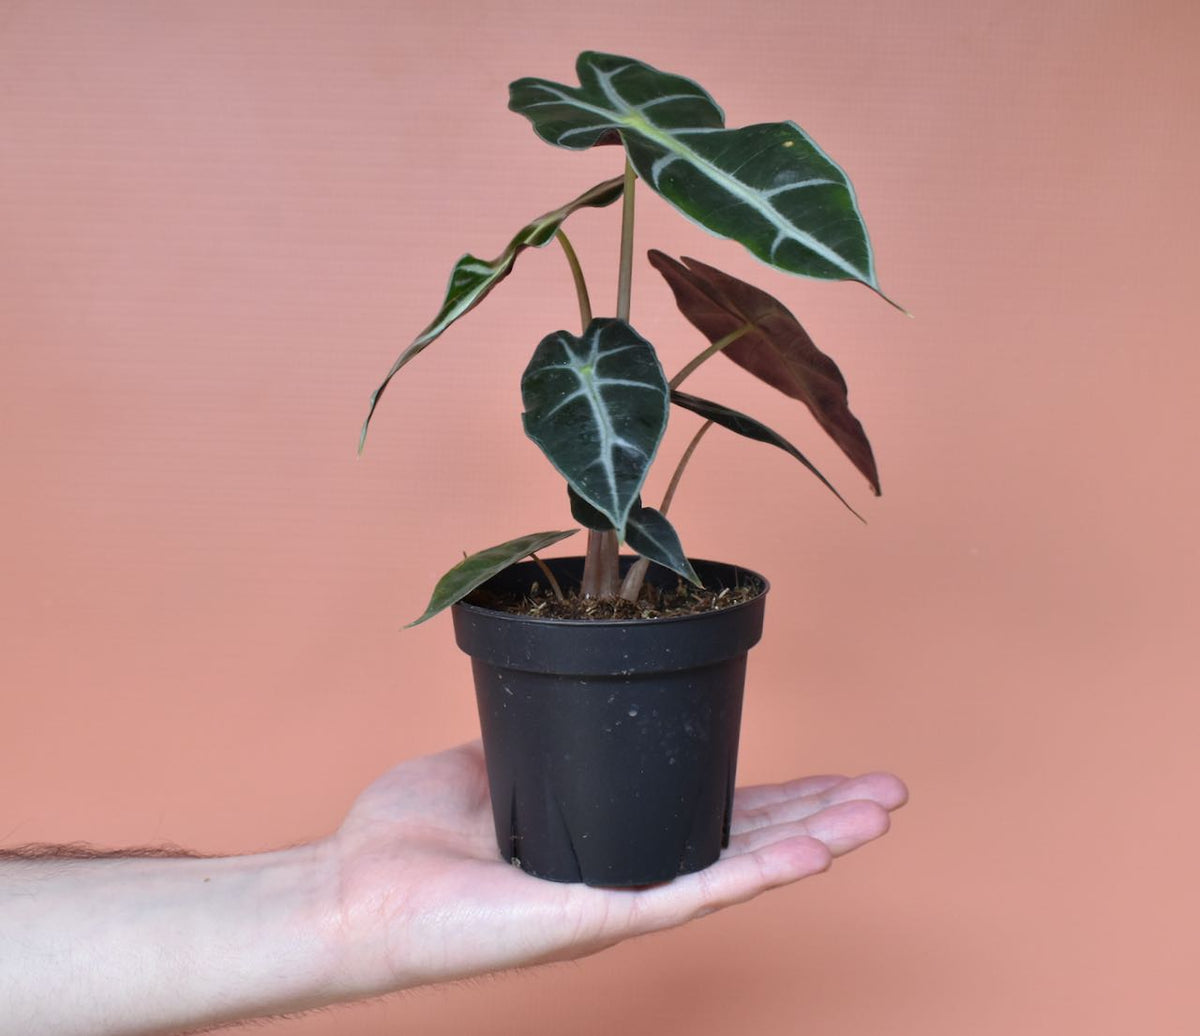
(761, 795)
(792, 831)
(735, 878)
(780, 834)
(797, 800)
(840, 828)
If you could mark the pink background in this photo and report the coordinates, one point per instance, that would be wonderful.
(220, 223)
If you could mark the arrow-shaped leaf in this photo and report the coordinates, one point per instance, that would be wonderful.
(647, 531)
(751, 429)
(472, 279)
(776, 349)
(767, 186)
(477, 569)
(597, 406)
(652, 536)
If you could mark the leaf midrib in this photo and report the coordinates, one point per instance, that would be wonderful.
(632, 117)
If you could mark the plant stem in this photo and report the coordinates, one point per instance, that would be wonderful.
(631, 588)
(581, 292)
(711, 351)
(545, 570)
(669, 495)
(601, 566)
(625, 278)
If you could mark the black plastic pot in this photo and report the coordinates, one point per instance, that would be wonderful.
(611, 745)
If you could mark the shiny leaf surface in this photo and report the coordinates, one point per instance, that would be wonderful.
(597, 407)
(768, 186)
(648, 532)
(776, 350)
(477, 569)
(472, 279)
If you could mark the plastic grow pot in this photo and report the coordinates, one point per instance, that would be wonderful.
(611, 745)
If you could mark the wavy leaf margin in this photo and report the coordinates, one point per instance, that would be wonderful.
(472, 279)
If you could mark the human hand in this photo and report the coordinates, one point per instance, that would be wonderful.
(425, 896)
(411, 889)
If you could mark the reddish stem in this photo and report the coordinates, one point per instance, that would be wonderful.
(601, 567)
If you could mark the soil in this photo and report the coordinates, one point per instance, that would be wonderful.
(654, 602)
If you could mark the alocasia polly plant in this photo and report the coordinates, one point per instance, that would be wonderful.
(597, 403)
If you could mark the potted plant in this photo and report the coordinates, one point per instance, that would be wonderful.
(610, 687)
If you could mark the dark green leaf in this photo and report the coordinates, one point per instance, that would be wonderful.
(767, 186)
(586, 515)
(751, 429)
(652, 536)
(647, 531)
(477, 569)
(472, 279)
(776, 350)
(597, 406)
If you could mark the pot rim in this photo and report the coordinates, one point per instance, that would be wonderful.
(495, 614)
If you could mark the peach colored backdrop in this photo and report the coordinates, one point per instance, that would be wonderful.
(220, 222)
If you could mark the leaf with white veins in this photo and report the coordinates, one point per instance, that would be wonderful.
(652, 536)
(597, 407)
(776, 349)
(477, 569)
(648, 532)
(768, 186)
(472, 279)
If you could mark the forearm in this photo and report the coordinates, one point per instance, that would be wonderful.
(410, 890)
(146, 945)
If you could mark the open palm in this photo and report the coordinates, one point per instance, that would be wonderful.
(426, 897)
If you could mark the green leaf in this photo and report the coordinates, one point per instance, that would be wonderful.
(751, 429)
(597, 407)
(472, 279)
(647, 531)
(776, 350)
(586, 515)
(477, 569)
(652, 536)
(768, 186)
